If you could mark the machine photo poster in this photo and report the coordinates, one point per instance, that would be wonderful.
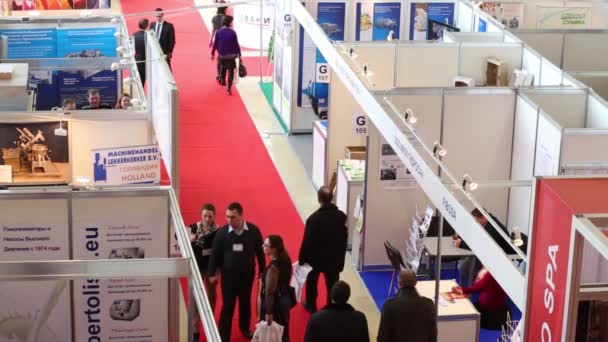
(421, 12)
(35, 310)
(393, 173)
(35, 152)
(120, 228)
(378, 21)
(510, 14)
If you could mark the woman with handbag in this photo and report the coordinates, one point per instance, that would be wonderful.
(275, 296)
(227, 45)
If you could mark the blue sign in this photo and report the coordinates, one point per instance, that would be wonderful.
(421, 12)
(330, 16)
(76, 84)
(386, 20)
(86, 42)
(31, 43)
(482, 25)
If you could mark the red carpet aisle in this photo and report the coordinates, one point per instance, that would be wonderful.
(222, 157)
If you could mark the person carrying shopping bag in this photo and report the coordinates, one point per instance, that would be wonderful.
(227, 45)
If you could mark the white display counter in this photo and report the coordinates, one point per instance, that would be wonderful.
(457, 321)
(319, 140)
(349, 185)
(13, 92)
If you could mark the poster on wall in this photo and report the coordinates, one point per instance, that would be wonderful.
(45, 5)
(393, 173)
(510, 14)
(482, 25)
(31, 43)
(36, 152)
(86, 42)
(378, 21)
(124, 309)
(126, 165)
(562, 17)
(35, 310)
(75, 85)
(421, 12)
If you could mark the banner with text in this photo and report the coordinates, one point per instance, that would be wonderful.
(126, 165)
(552, 17)
(510, 14)
(75, 84)
(378, 21)
(421, 12)
(330, 17)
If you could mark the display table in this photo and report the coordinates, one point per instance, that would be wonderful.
(349, 185)
(447, 250)
(457, 321)
(319, 154)
(13, 92)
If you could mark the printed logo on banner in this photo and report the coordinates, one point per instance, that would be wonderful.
(126, 165)
(323, 73)
(360, 126)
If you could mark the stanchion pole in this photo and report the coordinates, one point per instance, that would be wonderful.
(261, 38)
(438, 265)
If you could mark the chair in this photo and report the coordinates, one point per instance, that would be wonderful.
(396, 260)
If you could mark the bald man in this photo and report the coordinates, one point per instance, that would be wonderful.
(408, 316)
(323, 246)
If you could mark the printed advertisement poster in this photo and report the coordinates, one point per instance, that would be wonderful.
(331, 19)
(120, 228)
(510, 14)
(562, 17)
(31, 43)
(45, 5)
(421, 13)
(393, 173)
(482, 25)
(126, 165)
(75, 84)
(35, 310)
(86, 42)
(378, 21)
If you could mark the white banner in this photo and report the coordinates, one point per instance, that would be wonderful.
(562, 17)
(126, 165)
(247, 24)
(34, 310)
(120, 228)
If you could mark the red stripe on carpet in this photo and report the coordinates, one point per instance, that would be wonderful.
(222, 157)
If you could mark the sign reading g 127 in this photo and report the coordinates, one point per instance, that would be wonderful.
(126, 165)
(360, 126)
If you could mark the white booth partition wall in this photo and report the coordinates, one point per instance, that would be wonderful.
(598, 81)
(475, 37)
(597, 111)
(65, 273)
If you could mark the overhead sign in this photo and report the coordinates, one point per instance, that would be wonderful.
(360, 125)
(126, 165)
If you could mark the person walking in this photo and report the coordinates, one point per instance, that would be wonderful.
(408, 316)
(235, 249)
(217, 21)
(338, 321)
(202, 234)
(227, 45)
(165, 32)
(323, 246)
(140, 48)
(275, 301)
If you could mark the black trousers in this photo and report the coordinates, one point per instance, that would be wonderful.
(231, 291)
(141, 68)
(228, 65)
(312, 281)
(280, 314)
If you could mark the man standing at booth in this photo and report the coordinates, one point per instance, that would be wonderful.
(235, 249)
(140, 48)
(165, 32)
(323, 246)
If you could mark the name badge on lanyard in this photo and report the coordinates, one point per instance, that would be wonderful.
(237, 247)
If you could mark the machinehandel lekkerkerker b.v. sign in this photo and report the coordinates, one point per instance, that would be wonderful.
(126, 165)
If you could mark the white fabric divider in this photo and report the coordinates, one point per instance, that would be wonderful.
(511, 280)
(483, 153)
(585, 51)
(547, 44)
(427, 65)
(597, 112)
(566, 106)
(531, 61)
(550, 75)
(597, 81)
(548, 144)
(380, 60)
(465, 17)
(86, 135)
(584, 146)
(473, 59)
(475, 37)
(522, 163)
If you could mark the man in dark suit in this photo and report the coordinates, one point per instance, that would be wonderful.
(408, 316)
(235, 249)
(338, 321)
(165, 32)
(323, 246)
(139, 38)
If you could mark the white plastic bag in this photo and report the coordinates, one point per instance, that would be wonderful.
(298, 278)
(268, 333)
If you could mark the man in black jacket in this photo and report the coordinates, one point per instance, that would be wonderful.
(338, 321)
(165, 32)
(235, 249)
(139, 38)
(323, 246)
(408, 316)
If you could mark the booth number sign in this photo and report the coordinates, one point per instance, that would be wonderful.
(360, 124)
(322, 73)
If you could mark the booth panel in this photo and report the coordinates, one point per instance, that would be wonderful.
(584, 147)
(549, 45)
(585, 52)
(567, 108)
(548, 144)
(598, 82)
(87, 135)
(550, 75)
(340, 133)
(473, 59)
(380, 60)
(597, 112)
(465, 17)
(531, 61)
(494, 28)
(427, 65)
(494, 200)
(475, 37)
